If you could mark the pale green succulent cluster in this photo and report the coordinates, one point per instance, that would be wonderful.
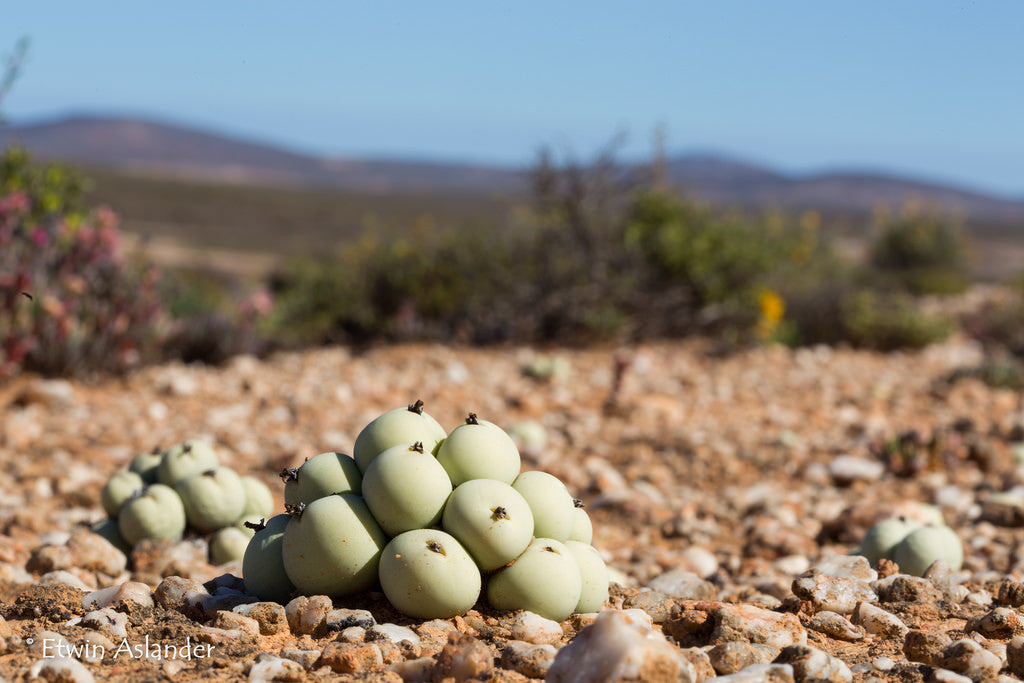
(912, 544)
(434, 519)
(165, 492)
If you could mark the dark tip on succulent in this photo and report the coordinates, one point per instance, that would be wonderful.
(139, 493)
(210, 473)
(434, 546)
(500, 513)
(156, 450)
(418, 447)
(187, 447)
(549, 549)
(472, 419)
(257, 526)
(576, 502)
(289, 474)
(295, 509)
(27, 296)
(416, 407)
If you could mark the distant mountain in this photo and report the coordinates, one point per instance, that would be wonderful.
(156, 148)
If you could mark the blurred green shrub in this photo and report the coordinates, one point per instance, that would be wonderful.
(922, 251)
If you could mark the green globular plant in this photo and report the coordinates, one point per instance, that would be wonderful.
(213, 499)
(153, 512)
(427, 574)
(118, 489)
(545, 579)
(491, 520)
(181, 461)
(398, 427)
(147, 464)
(228, 544)
(925, 545)
(550, 502)
(406, 488)
(882, 539)
(259, 501)
(332, 546)
(582, 528)
(263, 562)
(479, 449)
(321, 476)
(593, 575)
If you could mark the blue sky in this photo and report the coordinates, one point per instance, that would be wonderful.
(928, 87)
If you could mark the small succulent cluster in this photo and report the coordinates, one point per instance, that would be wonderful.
(430, 517)
(164, 493)
(913, 544)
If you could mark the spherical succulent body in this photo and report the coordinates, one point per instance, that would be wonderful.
(228, 544)
(213, 499)
(582, 529)
(146, 465)
(118, 489)
(332, 546)
(154, 512)
(593, 575)
(882, 539)
(427, 574)
(321, 476)
(479, 449)
(406, 488)
(550, 502)
(545, 579)
(258, 498)
(398, 427)
(263, 562)
(926, 544)
(491, 520)
(182, 460)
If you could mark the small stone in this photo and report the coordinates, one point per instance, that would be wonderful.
(465, 657)
(271, 668)
(529, 659)
(1001, 622)
(846, 469)
(62, 577)
(832, 593)
(730, 658)
(1015, 656)
(419, 670)
(700, 561)
(232, 621)
(352, 634)
(270, 616)
(755, 625)
(393, 633)
(306, 614)
(617, 647)
(683, 585)
(811, 664)
(341, 619)
(350, 658)
(883, 664)
(655, 603)
(533, 628)
(967, 657)
(877, 621)
(219, 636)
(107, 620)
(435, 631)
(760, 673)
(95, 553)
(925, 646)
(846, 567)
(947, 676)
(129, 591)
(305, 658)
(181, 595)
(906, 588)
(64, 669)
(835, 626)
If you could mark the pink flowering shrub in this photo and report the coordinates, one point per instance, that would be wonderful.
(69, 302)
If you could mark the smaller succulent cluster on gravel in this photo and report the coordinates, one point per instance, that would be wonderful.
(430, 517)
(164, 493)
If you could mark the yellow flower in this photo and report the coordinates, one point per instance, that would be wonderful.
(772, 308)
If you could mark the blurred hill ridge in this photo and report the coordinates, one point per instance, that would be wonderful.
(161, 149)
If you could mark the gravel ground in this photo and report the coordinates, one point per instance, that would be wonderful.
(717, 485)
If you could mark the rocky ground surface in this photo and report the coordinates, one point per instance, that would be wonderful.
(718, 486)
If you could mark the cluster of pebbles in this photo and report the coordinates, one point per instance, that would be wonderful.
(726, 494)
